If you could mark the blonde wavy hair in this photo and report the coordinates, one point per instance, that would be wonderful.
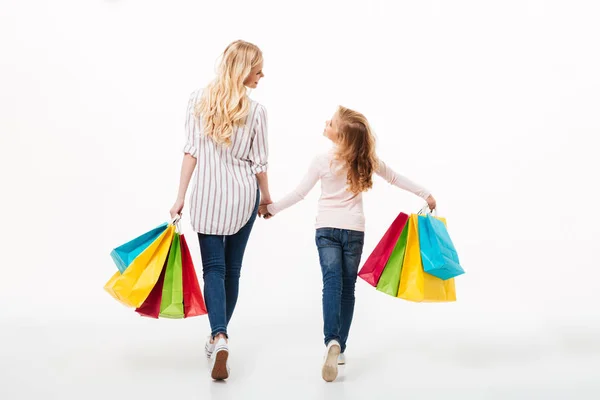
(224, 104)
(356, 149)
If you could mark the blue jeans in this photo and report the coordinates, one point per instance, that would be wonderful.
(339, 253)
(221, 264)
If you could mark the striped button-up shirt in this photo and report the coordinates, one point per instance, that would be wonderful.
(225, 188)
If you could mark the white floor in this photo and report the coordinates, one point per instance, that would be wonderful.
(135, 358)
(510, 335)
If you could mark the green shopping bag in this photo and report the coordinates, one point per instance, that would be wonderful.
(390, 277)
(171, 304)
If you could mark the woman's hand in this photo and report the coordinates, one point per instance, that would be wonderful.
(177, 207)
(263, 211)
(431, 202)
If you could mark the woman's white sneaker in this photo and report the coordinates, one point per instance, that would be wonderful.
(342, 359)
(209, 347)
(219, 359)
(330, 364)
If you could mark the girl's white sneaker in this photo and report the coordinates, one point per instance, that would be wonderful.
(330, 364)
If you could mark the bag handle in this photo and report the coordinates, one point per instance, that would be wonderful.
(425, 210)
(177, 222)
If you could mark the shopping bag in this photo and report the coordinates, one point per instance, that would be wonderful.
(109, 287)
(124, 255)
(134, 285)
(415, 284)
(171, 305)
(151, 306)
(373, 267)
(438, 254)
(390, 278)
(193, 302)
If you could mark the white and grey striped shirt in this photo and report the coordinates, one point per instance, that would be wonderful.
(225, 187)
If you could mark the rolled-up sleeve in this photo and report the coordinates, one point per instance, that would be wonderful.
(191, 133)
(259, 152)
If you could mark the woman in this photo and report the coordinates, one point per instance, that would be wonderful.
(227, 143)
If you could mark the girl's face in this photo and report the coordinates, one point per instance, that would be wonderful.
(331, 128)
(254, 77)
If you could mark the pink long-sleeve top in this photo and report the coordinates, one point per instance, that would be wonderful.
(338, 207)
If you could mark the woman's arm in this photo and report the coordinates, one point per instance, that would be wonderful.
(187, 169)
(259, 155)
(190, 151)
(263, 185)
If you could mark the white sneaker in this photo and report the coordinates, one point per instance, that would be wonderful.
(219, 359)
(209, 347)
(330, 364)
(342, 359)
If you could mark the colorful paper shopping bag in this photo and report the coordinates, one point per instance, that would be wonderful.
(193, 302)
(390, 278)
(373, 267)
(134, 285)
(415, 284)
(151, 306)
(124, 255)
(438, 254)
(171, 305)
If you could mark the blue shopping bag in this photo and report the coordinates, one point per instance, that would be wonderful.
(124, 255)
(438, 255)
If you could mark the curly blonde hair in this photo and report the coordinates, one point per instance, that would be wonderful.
(224, 104)
(356, 148)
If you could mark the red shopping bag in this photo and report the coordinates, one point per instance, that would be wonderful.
(371, 271)
(151, 306)
(193, 302)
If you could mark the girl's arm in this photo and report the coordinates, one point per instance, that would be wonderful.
(308, 182)
(403, 182)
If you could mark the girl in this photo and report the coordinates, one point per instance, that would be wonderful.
(227, 133)
(345, 172)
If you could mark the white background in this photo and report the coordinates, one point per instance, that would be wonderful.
(493, 105)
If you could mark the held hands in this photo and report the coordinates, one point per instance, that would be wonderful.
(263, 211)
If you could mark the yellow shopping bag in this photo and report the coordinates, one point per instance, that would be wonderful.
(134, 285)
(415, 284)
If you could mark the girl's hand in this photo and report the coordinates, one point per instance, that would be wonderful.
(177, 207)
(431, 202)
